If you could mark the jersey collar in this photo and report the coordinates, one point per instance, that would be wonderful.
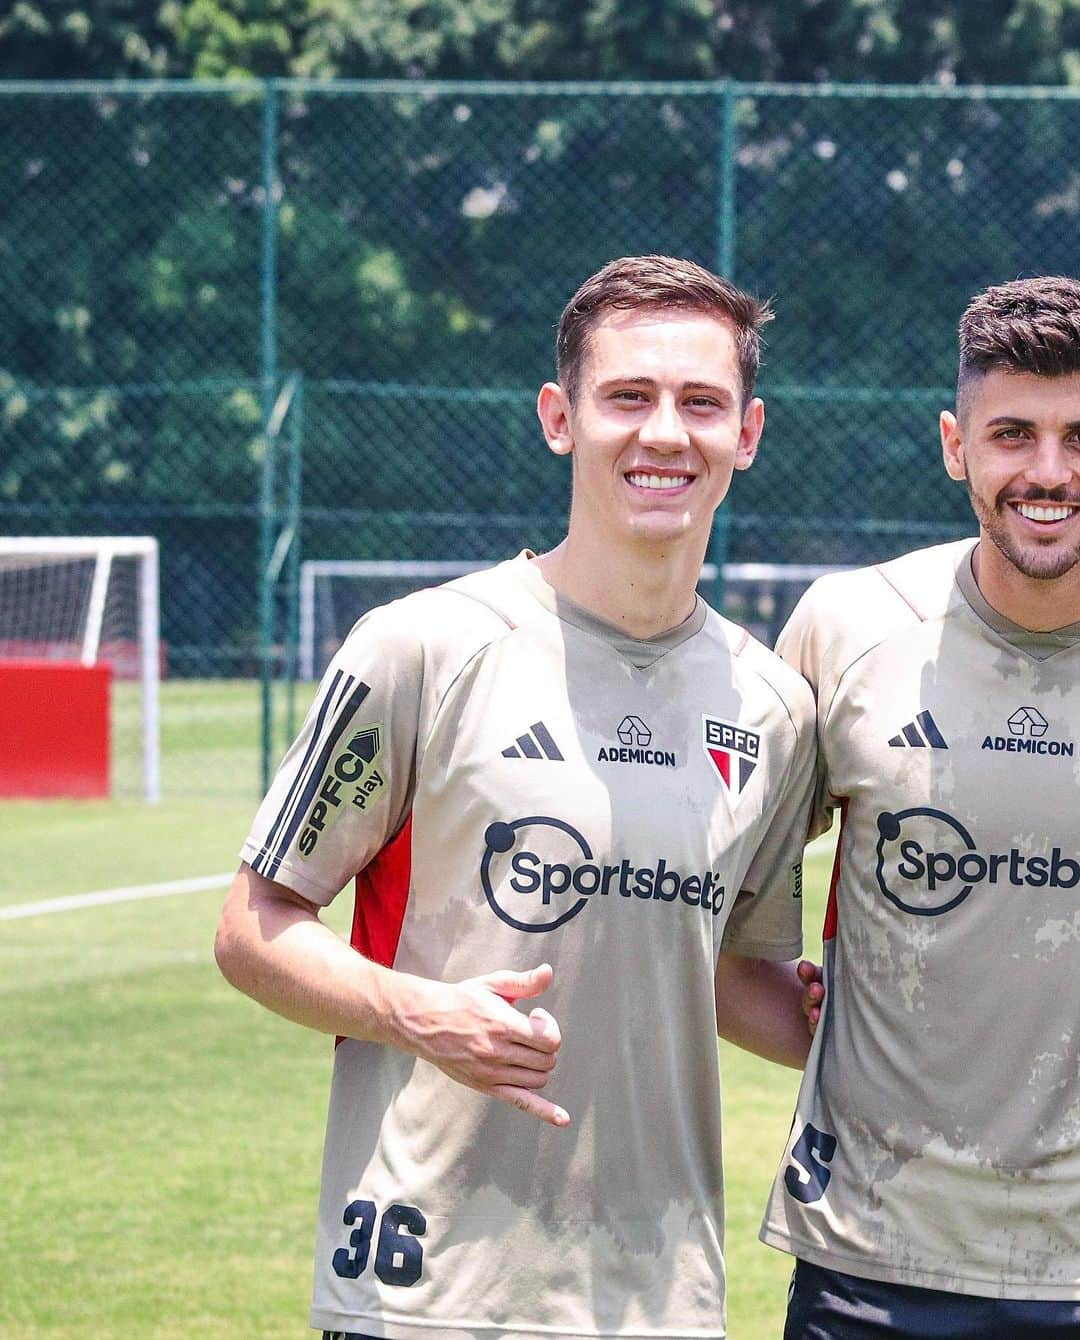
(640, 652)
(1038, 645)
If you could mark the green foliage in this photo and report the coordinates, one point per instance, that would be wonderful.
(900, 41)
(425, 242)
(62, 39)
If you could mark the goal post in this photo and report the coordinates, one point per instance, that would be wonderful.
(335, 592)
(90, 600)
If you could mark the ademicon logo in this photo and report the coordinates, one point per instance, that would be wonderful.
(928, 863)
(538, 873)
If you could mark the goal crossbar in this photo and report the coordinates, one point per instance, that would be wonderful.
(441, 570)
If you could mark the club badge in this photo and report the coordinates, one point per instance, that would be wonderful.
(734, 752)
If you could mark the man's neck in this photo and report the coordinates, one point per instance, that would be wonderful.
(643, 593)
(1040, 606)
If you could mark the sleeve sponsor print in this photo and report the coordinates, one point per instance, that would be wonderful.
(340, 767)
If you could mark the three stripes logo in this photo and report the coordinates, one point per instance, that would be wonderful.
(537, 742)
(922, 733)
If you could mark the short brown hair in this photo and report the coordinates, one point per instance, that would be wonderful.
(646, 282)
(1028, 325)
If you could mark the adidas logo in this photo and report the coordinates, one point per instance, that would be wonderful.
(922, 733)
(535, 743)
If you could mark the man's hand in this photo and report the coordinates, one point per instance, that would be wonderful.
(272, 945)
(813, 993)
(473, 1033)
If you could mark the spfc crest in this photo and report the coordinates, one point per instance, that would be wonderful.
(734, 752)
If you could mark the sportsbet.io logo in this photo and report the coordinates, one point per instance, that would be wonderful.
(928, 863)
(538, 873)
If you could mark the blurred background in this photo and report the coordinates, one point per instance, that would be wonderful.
(274, 314)
(279, 280)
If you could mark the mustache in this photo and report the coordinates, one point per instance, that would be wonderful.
(1060, 494)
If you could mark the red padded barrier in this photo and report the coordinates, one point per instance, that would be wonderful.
(54, 729)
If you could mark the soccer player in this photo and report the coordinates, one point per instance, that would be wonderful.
(932, 1183)
(573, 801)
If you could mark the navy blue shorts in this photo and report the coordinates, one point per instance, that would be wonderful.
(345, 1335)
(827, 1305)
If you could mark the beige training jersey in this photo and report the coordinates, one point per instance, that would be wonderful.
(512, 781)
(936, 1140)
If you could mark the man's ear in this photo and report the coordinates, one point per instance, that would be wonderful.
(753, 424)
(952, 445)
(553, 411)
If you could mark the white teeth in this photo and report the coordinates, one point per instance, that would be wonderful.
(644, 481)
(1034, 512)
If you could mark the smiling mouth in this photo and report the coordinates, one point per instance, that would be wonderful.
(1045, 513)
(640, 479)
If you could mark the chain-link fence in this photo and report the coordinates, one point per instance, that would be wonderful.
(367, 277)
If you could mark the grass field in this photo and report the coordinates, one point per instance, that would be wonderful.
(162, 1134)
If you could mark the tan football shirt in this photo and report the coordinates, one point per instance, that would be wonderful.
(513, 782)
(937, 1136)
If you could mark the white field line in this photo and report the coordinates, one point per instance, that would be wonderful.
(103, 896)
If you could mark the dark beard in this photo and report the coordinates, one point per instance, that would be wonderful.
(1041, 563)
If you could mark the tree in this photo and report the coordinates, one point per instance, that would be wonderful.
(897, 41)
(425, 242)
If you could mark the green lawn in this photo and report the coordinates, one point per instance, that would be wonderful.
(210, 736)
(162, 1134)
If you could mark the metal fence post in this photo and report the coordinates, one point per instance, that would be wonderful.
(725, 242)
(296, 446)
(725, 264)
(268, 286)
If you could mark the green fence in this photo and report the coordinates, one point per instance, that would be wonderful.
(367, 277)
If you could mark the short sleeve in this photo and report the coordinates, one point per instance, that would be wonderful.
(344, 788)
(766, 921)
(801, 644)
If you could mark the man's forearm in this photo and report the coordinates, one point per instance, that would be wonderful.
(276, 950)
(272, 946)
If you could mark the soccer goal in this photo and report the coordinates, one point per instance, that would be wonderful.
(334, 593)
(92, 601)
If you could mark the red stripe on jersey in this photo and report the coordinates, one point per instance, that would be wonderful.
(382, 891)
(831, 914)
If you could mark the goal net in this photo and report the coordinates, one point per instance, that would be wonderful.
(93, 600)
(334, 593)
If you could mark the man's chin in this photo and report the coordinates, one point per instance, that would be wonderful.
(1042, 563)
(660, 527)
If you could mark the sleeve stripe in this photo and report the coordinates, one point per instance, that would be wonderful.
(310, 773)
(329, 699)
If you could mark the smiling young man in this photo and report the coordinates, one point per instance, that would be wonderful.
(932, 1186)
(567, 778)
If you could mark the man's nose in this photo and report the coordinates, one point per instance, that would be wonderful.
(664, 429)
(1051, 465)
